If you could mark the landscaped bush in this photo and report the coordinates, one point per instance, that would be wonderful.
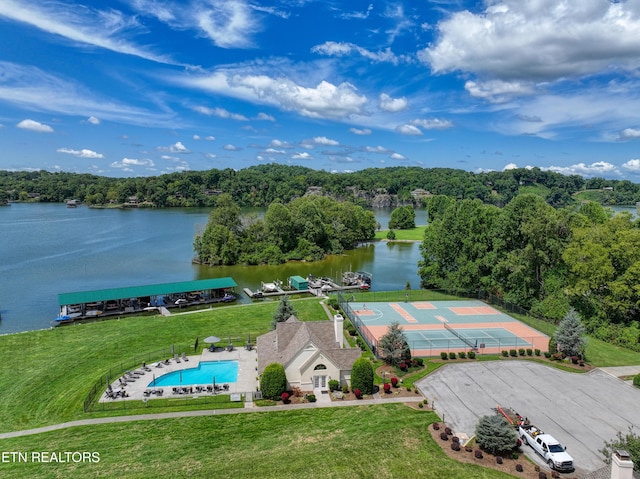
(420, 405)
(443, 355)
(542, 475)
(387, 388)
(515, 455)
(505, 353)
(636, 380)
(536, 352)
(471, 354)
(435, 426)
(519, 468)
(362, 376)
(345, 389)
(521, 352)
(357, 393)
(334, 385)
(547, 354)
(455, 446)
(452, 355)
(455, 439)
(394, 382)
(311, 397)
(468, 448)
(285, 398)
(273, 381)
(418, 362)
(403, 366)
(448, 431)
(443, 436)
(499, 459)
(361, 344)
(462, 355)
(351, 329)
(478, 454)
(575, 359)
(529, 352)
(513, 353)
(555, 474)
(553, 345)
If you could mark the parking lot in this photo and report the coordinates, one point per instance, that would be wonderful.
(582, 411)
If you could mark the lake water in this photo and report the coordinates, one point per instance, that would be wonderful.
(47, 249)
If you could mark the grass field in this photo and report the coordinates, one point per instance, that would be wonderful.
(386, 441)
(413, 234)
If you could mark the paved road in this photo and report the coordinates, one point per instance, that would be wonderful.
(581, 410)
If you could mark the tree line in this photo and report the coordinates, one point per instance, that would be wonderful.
(259, 186)
(548, 260)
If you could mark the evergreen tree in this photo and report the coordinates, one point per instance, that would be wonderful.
(393, 347)
(630, 442)
(570, 334)
(284, 311)
(362, 376)
(273, 381)
(495, 435)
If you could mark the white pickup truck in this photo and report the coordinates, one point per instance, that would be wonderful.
(549, 448)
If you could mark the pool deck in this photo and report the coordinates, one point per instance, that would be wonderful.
(247, 373)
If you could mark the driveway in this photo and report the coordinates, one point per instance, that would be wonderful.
(582, 411)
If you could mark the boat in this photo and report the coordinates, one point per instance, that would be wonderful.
(357, 278)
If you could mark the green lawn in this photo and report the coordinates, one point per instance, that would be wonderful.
(386, 441)
(413, 234)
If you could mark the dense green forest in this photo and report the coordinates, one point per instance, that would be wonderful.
(265, 184)
(307, 228)
(542, 258)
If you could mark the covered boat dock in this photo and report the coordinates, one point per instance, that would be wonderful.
(135, 299)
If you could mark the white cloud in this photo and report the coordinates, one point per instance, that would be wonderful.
(323, 140)
(341, 49)
(84, 153)
(220, 113)
(498, 91)
(510, 166)
(177, 147)
(598, 168)
(302, 156)
(127, 163)
(632, 165)
(93, 120)
(432, 124)
(280, 144)
(538, 40)
(397, 156)
(392, 105)
(206, 138)
(407, 129)
(230, 147)
(101, 28)
(630, 134)
(34, 126)
(273, 151)
(325, 100)
(265, 117)
(358, 131)
(377, 149)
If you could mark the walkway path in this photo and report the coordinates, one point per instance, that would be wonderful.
(214, 412)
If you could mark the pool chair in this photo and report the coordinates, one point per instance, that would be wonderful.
(209, 389)
(146, 393)
(184, 357)
(159, 392)
(158, 365)
(230, 347)
(176, 358)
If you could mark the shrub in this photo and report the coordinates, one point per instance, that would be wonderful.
(513, 353)
(408, 389)
(542, 475)
(515, 455)
(547, 354)
(311, 397)
(351, 329)
(334, 384)
(455, 446)
(273, 381)
(361, 344)
(357, 393)
(285, 398)
(536, 468)
(536, 352)
(468, 448)
(529, 352)
(419, 362)
(403, 366)
(521, 352)
(462, 355)
(557, 357)
(443, 355)
(436, 426)
(478, 454)
(575, 359)
(394, 382)
(420, 405)
(553, 346)
(495, 435)
(387, 388)
(505, 353)
(362, 376)
(455, 439)
(499, 459)
(519, 468)
(452, 355)
(555, 474)
(345, 389)
(448, 431)
(425, 401)
(443, 436)
(472, 355)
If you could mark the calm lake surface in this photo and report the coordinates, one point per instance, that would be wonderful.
(47, 249)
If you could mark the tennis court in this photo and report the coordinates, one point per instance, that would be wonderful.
(432, 327)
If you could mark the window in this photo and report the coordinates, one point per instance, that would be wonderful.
(319, 367)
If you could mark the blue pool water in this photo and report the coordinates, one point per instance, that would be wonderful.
(222, 371)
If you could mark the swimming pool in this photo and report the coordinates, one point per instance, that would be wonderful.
(206, 373)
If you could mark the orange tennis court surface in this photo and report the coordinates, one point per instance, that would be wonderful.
(470, 325)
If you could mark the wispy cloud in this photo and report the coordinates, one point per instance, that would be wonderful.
(84, 153)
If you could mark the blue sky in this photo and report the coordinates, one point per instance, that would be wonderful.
(146, 87)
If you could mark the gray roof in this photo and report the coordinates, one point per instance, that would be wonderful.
(289, 337)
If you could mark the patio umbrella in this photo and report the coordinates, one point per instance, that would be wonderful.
(214, 384)
(212, 339)
(180, 377)
(154, 380)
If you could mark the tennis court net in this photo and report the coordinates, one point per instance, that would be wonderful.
(467, 341)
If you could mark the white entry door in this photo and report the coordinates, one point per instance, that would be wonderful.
(319, 382)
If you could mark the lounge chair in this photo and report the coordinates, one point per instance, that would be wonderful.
(159, 392)
(184, 357)
(158, 365)
(230, 347)
(176, 358)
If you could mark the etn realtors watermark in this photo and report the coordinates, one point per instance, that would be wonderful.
(44, 457)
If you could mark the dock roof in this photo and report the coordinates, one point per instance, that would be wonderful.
(145, 290)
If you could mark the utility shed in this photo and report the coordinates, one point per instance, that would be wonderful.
(298, 282)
